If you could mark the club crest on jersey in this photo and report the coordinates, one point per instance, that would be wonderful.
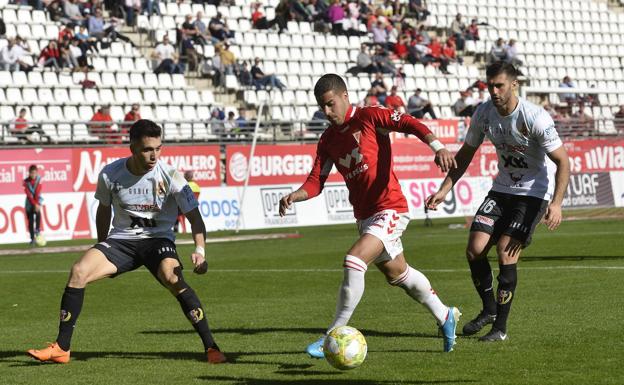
(356, 136)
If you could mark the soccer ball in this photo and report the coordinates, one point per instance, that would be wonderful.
(345, 348)
(40, 240)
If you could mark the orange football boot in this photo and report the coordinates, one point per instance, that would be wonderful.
(214, 356)
(52, 353)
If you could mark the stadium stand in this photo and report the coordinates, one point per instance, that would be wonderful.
(576, 38)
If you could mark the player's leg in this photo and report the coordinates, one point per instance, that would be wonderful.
(92, 266)
(416, 285)
(486, 228)
(165, 265)
(524, 213)
(479, 244)
(30, 214)
(38, 221)
(363, 252)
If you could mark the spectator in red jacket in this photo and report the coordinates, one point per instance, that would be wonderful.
(32, 188)
(101, 129)
(50, 56)
(23, 131)
(435, 55)
(131, 116)
(394, 101)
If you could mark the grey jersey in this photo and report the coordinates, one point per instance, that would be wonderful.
(522, 140)
(144, 206)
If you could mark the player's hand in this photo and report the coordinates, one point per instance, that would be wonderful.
(432, 201)
(553, 216)
(445, 160)
(37, 208)
(199, 261)
(285, 204)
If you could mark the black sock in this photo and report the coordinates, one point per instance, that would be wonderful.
(507, 280)
(482, 280)
(193, 310)
(71, 304)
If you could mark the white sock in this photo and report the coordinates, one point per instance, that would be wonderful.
(350, 291)
(417, 286)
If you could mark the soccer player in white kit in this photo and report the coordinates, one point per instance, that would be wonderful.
(532, 179)
(144, 193)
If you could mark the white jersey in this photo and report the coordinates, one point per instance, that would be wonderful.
(144, 206)
(522, 140)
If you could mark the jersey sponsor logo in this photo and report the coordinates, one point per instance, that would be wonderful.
(138, 222)
(354, 155)
(396, 115)
(65, 316)
(504, 296)
(515, 162)
(484, 220)
(142, 207)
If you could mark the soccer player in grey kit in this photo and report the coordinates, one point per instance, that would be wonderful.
(144, 193)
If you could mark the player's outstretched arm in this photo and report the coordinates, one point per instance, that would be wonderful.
(443, 157)
(198, 229)
(562, 176)
(288, 200)
(462, 160)
(102, 221)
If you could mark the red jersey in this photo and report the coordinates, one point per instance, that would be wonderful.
(394, 102)
(20, 124)
(360, 149)
(32, 188)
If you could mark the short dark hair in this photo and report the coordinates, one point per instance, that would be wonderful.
(329, 82)
(32, 167)
(500, 67)
(144, 127)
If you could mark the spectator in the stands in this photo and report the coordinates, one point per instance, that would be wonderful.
(465, 105)
(435, 55)
(101, 126)
(512, 54)
(133, 8)
(380, 35)
(418, 8)
(379, 88)
(23, 131)
(188, 54)
(381, 61)
(582, 121)
(262, 80)
(498, 51)
(228, 59)
(449, 54)
(10, 56)
(242, 125)
(472, 32)
(567, 97)
(243, 75)
(619, 120)
(131, 116)
(370, 99)
(66, 34)
(50, 56)
(216, 123)
(203, 36)
(418, 106)
(71, 9)
(230, 127)
(87, 43)
(481, 97)
(401, 47)
(152, 6)
(258, 20)
(336, 16)
(364, 62)
(282, 15)
(95, 24)
(457, 30)
(190, 29)
(167, 58)
(394, 101)
(218, 28)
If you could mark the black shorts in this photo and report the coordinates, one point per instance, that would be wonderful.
(130, 254)
(513, 215)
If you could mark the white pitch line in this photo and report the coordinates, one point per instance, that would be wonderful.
(571, 267)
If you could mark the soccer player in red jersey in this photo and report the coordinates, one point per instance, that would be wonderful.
(357, 143)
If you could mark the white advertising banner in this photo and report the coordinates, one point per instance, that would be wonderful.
(617, 183)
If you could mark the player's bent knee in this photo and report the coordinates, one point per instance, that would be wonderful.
(79, 275)
(472, 253)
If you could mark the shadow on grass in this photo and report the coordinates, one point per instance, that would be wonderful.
(315, 331)
(572, 258)
(337, 381)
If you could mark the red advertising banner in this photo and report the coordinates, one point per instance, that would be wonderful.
(203, 160)
(272, 164)
(447, 130)
(77, 169)
(54, 168)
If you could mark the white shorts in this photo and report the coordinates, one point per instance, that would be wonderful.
(388, 226)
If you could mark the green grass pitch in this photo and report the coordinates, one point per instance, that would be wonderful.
(266, 300)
